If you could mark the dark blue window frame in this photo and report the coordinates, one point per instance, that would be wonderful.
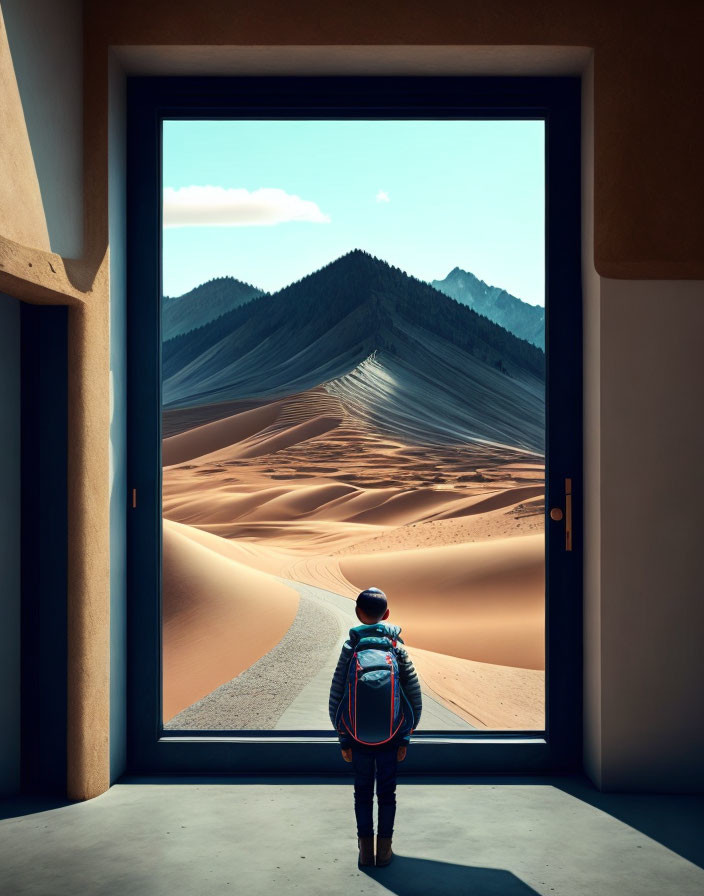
(555, 100)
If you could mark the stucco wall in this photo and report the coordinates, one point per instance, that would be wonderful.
(19, 188)
(46, 44)
(46, 40)
(9, 545)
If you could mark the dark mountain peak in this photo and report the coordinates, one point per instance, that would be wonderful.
(364, 264)
(217, 283)
(354, 278)
(356, 257)
(204, 303)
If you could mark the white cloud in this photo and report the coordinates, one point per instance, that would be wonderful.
(381, 196)
(219, 207)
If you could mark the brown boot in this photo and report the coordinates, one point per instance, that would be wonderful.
(366, 850)
(383, 850)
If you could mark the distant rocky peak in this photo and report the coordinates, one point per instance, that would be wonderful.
(518, 317)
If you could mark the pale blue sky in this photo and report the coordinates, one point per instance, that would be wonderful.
(426, 196)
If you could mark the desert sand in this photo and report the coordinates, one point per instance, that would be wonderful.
(299, 488)
(484, 694)
(215, 622)
(480, 601)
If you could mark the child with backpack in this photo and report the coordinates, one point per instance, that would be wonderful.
(375, 705)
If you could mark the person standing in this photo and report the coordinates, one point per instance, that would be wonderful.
(375, 705)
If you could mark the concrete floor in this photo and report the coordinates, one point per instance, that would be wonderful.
(507, 836)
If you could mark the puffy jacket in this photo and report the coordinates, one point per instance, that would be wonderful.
(407, 676)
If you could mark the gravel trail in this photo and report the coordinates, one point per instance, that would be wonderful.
(287, 688)
(257, 698)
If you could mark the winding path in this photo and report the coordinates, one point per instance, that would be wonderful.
(309, 710)
(287, 689)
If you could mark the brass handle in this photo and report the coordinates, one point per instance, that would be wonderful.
(557, 514)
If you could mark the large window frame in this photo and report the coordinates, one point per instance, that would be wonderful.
(555, 100)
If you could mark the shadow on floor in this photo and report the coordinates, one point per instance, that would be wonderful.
(16, 807)
(408, 876)
(674, 820)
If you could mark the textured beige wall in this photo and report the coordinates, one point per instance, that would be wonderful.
(21, 211)
(88, 772)
(50, 84)
(29, 271)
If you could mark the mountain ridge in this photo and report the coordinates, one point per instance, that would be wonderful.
(279, 306)
(203, 304)
(513, 314)
(442, 370)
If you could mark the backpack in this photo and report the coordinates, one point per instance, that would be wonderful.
(372, 709)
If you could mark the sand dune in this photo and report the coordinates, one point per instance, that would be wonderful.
(487, 695)
(219, 617)
(503, 498)
(522, 518)
(211, 493)
(300, 488)
(483, 602)
(210, 437)
(300, 501)
(484, 694)
(406, 505)
(293, 435)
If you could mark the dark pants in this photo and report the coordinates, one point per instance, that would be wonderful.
(363, 763)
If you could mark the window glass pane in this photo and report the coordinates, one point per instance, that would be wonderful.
(353, 396)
